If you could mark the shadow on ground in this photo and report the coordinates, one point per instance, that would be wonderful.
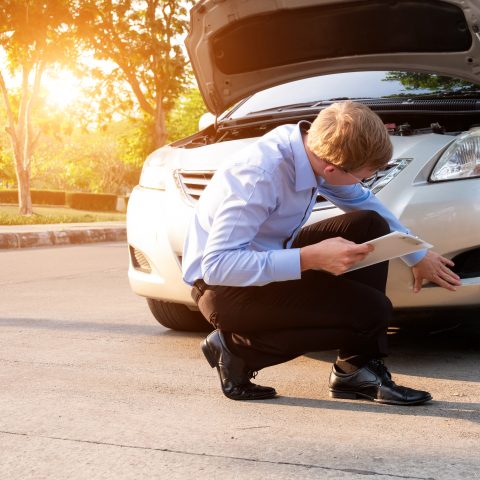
(442, 409)
(443, 347)
(435, 346)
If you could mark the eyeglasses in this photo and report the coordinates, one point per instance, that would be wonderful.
(365, 182)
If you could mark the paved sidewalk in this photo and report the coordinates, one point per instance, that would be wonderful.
(29, 236)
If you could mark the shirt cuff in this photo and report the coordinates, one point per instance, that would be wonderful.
(286, 264)
(413, 258)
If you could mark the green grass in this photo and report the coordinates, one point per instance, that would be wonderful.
(9, 216)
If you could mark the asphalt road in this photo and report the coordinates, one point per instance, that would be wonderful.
(92, 388)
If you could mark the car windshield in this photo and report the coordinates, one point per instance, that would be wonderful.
(352, 85)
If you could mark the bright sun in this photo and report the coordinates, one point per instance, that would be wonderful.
(62, 88)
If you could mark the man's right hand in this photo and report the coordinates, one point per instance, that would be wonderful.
(334, 255)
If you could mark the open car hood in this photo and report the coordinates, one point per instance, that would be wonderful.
(239, 47)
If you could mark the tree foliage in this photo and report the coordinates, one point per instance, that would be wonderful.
(106, 160)
(142, 39)
(142, 91)
(428, 81)
(183, 118)
(7, 168)
(33, 35)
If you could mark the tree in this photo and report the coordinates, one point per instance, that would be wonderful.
(33, 35)
(102, 160)
(7, 169)
(142, 39)
(183, 118)
(429, 81)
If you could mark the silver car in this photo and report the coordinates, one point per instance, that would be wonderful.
(260, 64)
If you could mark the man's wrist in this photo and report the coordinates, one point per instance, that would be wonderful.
(413, 259)
(306, 262)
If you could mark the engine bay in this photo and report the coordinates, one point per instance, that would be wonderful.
(398, 123)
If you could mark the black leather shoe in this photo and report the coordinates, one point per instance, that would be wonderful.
(234, 374)
(374, 382)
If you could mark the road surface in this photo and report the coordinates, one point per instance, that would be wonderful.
(91, 387)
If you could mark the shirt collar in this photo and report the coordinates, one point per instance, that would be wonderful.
(304, 176)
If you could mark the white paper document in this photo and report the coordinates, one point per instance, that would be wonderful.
(392, 245)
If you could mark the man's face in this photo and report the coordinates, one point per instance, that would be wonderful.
(336, 175)
(360, 175)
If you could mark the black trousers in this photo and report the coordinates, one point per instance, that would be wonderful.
(270, 324)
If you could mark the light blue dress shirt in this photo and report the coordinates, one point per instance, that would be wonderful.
(249, 214)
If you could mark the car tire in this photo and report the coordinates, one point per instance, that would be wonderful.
(178, 317)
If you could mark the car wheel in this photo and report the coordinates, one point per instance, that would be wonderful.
(178, 317)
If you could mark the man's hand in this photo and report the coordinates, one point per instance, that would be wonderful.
(334, 255)
(434, 268)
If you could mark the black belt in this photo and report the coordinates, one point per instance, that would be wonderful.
(198, 289)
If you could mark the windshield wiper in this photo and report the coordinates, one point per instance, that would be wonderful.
(283, 108)
(268, 116)
(465, 93)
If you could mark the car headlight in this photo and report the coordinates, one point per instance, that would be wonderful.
(154, 171)
(387, 174)
(460, 160)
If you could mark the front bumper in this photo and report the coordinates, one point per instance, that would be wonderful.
(157, 231)
(157, 221)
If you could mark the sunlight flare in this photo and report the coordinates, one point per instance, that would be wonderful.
(61, 88)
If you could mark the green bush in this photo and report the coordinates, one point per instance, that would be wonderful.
(39, 197)
(48, 197)
(99, 202)
(8, 196)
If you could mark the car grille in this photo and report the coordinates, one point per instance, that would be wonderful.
(139, 261)
(192, 183)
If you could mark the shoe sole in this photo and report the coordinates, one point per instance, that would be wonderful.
(361, 396)
(213, 363)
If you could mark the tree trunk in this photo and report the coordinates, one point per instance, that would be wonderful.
(24, 196)
(18, 138)
(24, 136)
(22, 168)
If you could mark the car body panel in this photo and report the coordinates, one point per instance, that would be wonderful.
(149, 221)
(157, 220)
(286, 37)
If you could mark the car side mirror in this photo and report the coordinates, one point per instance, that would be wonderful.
(206, 120)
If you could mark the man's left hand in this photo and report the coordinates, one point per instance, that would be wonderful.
(434, 268)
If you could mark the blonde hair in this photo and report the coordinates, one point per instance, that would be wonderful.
(351, 136)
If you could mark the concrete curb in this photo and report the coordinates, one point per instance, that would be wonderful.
(47, 236)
